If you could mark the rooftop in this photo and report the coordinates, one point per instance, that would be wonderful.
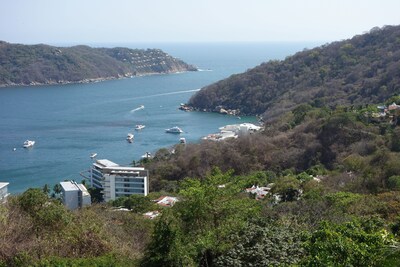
(83, 190)
(69, 186)
(109, 165)
(106, 163)
(2, 185)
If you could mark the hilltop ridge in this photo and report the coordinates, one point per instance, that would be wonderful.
(45, 64)
(356, 71)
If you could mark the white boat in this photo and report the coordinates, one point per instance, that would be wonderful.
(146, 155)
(93, 155)
(175, 130)
(29, 143)
(130, 137)
(182, 140)
(139, 127)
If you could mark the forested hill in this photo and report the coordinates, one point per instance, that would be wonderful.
(360, 70)
(44, 64)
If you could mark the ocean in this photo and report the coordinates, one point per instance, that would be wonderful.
(69, 122)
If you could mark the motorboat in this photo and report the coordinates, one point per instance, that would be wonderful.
(182, 140)
(146, 155)
(139, 127)
(175, 130)
(93, 155)
(130, 137)
(29, 143)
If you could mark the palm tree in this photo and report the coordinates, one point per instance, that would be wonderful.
(46, 189)
(57, 189)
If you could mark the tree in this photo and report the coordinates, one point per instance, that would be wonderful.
(46, 189)
(300, 112)
(166, 248)
(206, 217)
(96, 194)
(45, 213)
(32, 200)
(264, 243)
(287, 187)
(57, 189)
(136, 203)
(394, 182)
(349, 244)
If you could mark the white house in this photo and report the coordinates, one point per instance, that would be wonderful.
(75, 195)
(117, 181)
(260, 192)
(241, 129)
(166, 201)
(3, 191)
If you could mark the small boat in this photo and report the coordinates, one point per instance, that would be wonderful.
(182, 140)
(146, 155)
(139, 127)
(29, 143)
(175, 130)
(141, 106)
(93, 155)
(130, 137)
(14, 149)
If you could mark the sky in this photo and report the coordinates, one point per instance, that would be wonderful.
(134, 21)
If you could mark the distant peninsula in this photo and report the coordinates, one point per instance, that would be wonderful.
(23, 65)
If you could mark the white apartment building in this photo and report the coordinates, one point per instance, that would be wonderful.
(3, 192)
(75, 195)
(117, 181)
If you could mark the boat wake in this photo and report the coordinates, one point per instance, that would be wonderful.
(138, 108)
(146, 96)
(172, 93)
(157, 95)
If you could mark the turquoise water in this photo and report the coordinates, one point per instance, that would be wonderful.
(69, 122)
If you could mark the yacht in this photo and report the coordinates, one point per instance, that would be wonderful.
(130, 137)
(139, 127)
(29, 143)
(93, 155)
(175, 130)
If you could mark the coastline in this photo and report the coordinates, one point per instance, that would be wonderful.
(94, 80)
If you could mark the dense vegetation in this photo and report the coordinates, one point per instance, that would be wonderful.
(334, 200)
(361, 70)
(340, 139)
(44, 64)
(333, 176)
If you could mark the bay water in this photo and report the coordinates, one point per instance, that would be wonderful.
(69, 122)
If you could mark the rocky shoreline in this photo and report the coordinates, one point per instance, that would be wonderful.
(218, 109)
(84, 81)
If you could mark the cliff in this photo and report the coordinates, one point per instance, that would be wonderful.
(44, 64)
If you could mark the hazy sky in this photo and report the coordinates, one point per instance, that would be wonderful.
(100, 21)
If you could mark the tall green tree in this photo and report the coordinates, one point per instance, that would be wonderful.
(46, 213)
(206, 216)
(349, 244)
(46, 189)
(264, 243)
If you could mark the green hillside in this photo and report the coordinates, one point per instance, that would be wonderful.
(360, 70)
(44, 64)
